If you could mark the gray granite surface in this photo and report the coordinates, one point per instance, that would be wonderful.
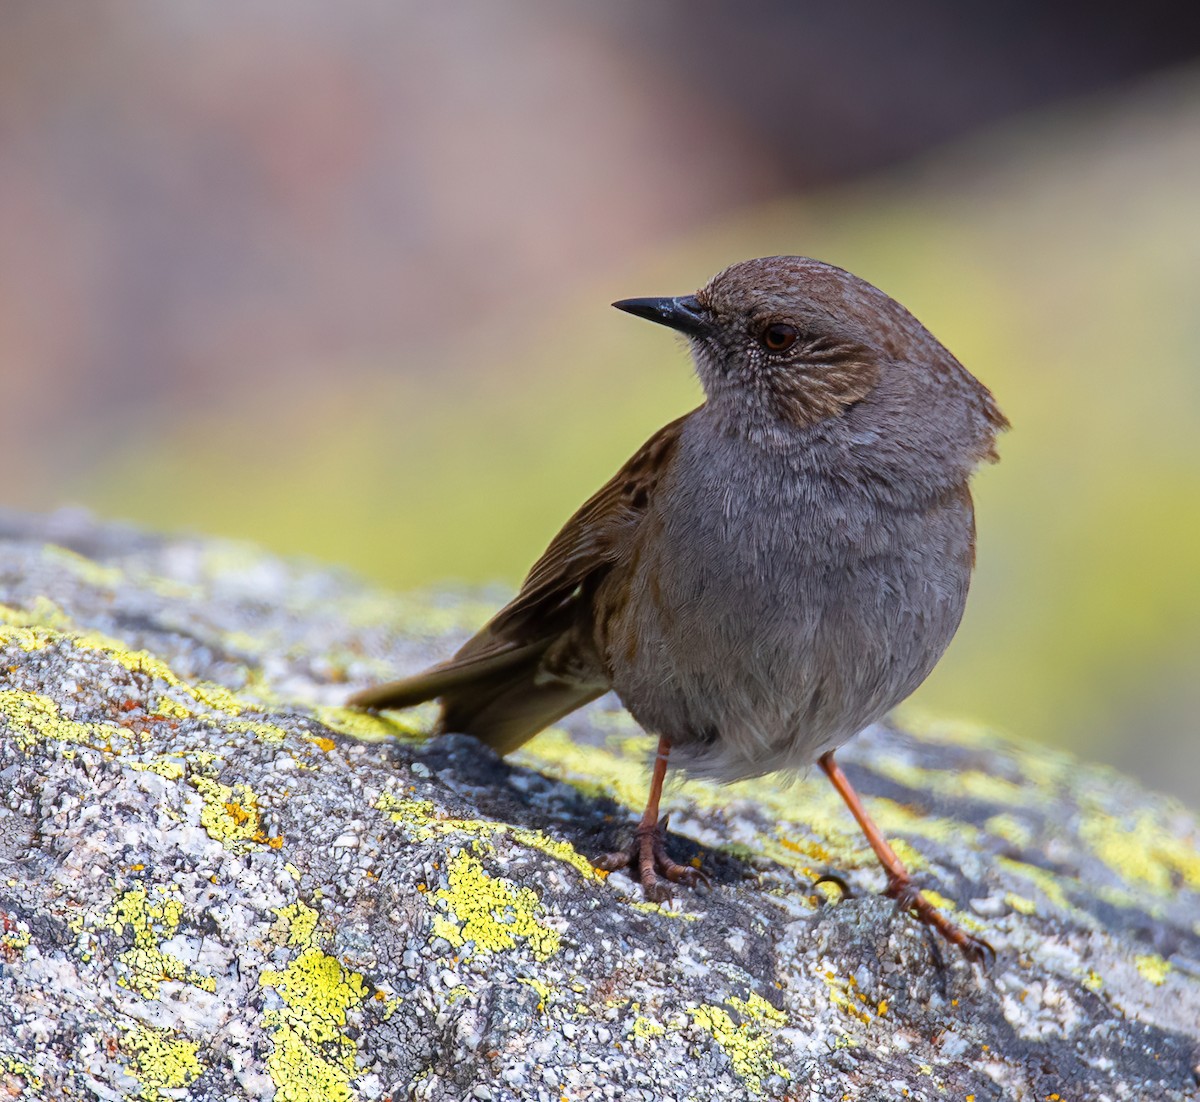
(217, 883)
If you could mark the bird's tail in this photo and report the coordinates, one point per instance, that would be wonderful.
(502, 698)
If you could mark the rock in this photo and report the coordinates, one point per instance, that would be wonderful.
(218, 883)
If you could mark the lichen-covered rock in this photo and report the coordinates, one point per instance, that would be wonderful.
(217, 883)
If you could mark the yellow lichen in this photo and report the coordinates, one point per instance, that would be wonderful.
(267, 732)
(666, 909)
(14, 941)
(943, 903)
(299, 923)
(25, 637)
(171, 768)
(542, 989)
(911, 857)
(318, 990)
(428, 612)
(243, 641)
(14, 1070)
(1047, 883)
(645, 1028)
(422, 822)
(845, 995)
(312, 1058)
(756, 1008)
(217, 697)
(170, 708)
(1011, 829)
(368, 727)
(230, 814)
(937, 728)
(623, 774)
(747, 1043)
(88, 570)
(489, 912)
(31, 717)
(152, 916)
(1019, 903)
(420, 818)
(38, 717)
(135, 661)
(43, 612)
(161, 1061)
(1141, 849)
(45, 625)
(1153, 968)
(894, 816)
(958, 784)
(806, 848)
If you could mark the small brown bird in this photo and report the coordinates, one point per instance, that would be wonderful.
(767, 575)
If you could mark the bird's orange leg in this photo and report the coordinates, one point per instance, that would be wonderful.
(900, 886)
(646, 858)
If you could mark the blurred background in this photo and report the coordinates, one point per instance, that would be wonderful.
(335, 278)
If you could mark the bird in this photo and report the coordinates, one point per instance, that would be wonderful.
(767, 575)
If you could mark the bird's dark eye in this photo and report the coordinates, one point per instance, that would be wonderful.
(777, 337)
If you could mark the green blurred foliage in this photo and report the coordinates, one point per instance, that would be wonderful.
(1059, 261)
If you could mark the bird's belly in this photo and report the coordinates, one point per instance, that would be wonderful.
(754, 659)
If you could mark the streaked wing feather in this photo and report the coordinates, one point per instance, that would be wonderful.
(595, 538)
(496, 687)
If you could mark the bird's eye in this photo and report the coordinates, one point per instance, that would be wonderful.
(777, 337)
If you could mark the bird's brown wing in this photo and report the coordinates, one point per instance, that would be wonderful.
(497, 686)
(596, 538)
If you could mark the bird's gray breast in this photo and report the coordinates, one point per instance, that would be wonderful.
(780, 605)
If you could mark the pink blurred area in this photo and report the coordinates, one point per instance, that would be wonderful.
(203, 196)
(197, 198)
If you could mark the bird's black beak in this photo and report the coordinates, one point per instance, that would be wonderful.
(685, 314)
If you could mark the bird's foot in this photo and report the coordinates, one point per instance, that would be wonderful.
(837, 881)
(909, 898)
(647, 862)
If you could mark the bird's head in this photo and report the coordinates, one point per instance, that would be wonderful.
(784, 343)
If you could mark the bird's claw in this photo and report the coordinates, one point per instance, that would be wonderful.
(837, 882)
(647, 861)
(909, 899)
